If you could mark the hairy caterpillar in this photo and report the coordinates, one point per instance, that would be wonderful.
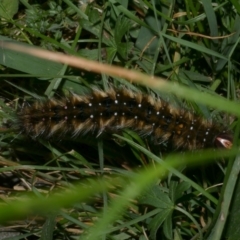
(116, 109)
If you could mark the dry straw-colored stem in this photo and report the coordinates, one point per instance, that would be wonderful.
(131, 75)
(88, 65)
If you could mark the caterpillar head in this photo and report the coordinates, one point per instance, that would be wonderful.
(224, 140)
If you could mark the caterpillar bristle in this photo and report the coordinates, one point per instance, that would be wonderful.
(116, 109)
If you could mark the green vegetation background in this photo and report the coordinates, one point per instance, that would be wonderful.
(121, 187)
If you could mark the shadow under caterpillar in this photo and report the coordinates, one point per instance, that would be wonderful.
(116, 109)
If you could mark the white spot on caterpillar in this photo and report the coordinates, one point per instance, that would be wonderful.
(65, 117)
(124, 103)
(206, 133)
(115, 114)
(163, 116)
(116, 101)
(123, 113)
(157, 113)
(191, 128)
(139, 105)
(153, 124)
(91, 116)
(188, 136)
(74, 107)
(118, 94)
(204, 139)
(136, 117)
(99, 104)
(89, 104)
(74, 116)
(100, 114)
(65, 107)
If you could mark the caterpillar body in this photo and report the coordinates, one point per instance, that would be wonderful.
(117, 109)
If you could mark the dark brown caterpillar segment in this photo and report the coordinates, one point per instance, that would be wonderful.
(115, 110)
